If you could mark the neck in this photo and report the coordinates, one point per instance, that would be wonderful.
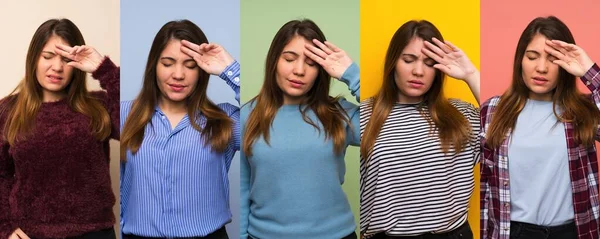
(51, 96)
(540, 97)
(290, 100)
(402, 99)
(169, 106)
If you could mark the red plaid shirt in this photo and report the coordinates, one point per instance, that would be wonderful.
(583, 168)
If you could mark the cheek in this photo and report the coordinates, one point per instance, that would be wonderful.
(311, 74)
(162, 74)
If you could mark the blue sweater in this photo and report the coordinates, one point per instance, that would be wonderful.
(293, 188)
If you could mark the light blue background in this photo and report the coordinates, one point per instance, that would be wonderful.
(220, 22)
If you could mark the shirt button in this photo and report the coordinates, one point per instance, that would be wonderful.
(229, 73)
(506, 205)
(588, 83)
(505, 183)
(506, 228)
(237, 79)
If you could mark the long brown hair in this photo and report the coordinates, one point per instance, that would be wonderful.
(218, 127)
(577, 108)
(270, 99)
(452, 126)
(23, 104)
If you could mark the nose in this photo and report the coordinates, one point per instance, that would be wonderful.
(418, 69)
(541, 66)
(58, 64)
(299, 68)
(179, 73)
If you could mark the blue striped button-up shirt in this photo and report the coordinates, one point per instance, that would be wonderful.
(175, 185)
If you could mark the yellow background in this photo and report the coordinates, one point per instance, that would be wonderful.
(457, 20)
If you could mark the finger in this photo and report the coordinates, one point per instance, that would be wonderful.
(64, 54)
(441, 45)
(332, 46)
(433, 56)
(74, 50)
(454, 48)
(555, 53)
(322, 46)
(75, 64)
(442, 68)
(316, 51)
(557, 46)
(188, 51)
(561, 63)
(565, 45)
(190, 45)
(63, 47)
(314, 57)
(81, 49)
(434, 48)
(210, 46)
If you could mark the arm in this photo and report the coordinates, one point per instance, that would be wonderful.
(591, 79)
(108, 74)
(6, 182)
(351, 78)
(231, 75)
(244, 195)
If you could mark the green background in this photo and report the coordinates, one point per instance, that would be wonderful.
(340, 22)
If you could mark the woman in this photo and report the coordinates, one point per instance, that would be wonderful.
(418, 148)
(547, 130)
(54, 157)
(295, 136)
(177, 145)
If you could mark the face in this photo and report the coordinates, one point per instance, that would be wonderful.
(296, 73)
(414, 72)
(176, 73)
(52, 71)
(539, 73)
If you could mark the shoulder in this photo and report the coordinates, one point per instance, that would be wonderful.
(228, 108)
(247, 108)
(126, 106)
(463, 106)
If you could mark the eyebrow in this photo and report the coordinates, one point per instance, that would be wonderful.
(290, 52)
(173, 59)
(49, 52)
(532, 51)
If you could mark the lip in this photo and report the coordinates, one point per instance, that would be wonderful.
(416, 83)
(54, 78)
(296, 83)
(538, 80)
(176, 87)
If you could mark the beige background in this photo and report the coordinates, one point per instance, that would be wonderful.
(98, 21)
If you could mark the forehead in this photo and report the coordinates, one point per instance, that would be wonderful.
(537, 42)
(414, 46)
(296, 44)
(173, 50)
(54, 40)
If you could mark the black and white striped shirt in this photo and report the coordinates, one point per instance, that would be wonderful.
(410, 186)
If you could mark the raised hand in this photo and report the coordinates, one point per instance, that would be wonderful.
(453, 62)
(333, 59)
(569, 56)
(84, 58)
(211, 57)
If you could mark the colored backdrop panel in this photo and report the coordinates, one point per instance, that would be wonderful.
(339, 21)
(219, 20)
(100, 29)
(458, 21)
(500, 35)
